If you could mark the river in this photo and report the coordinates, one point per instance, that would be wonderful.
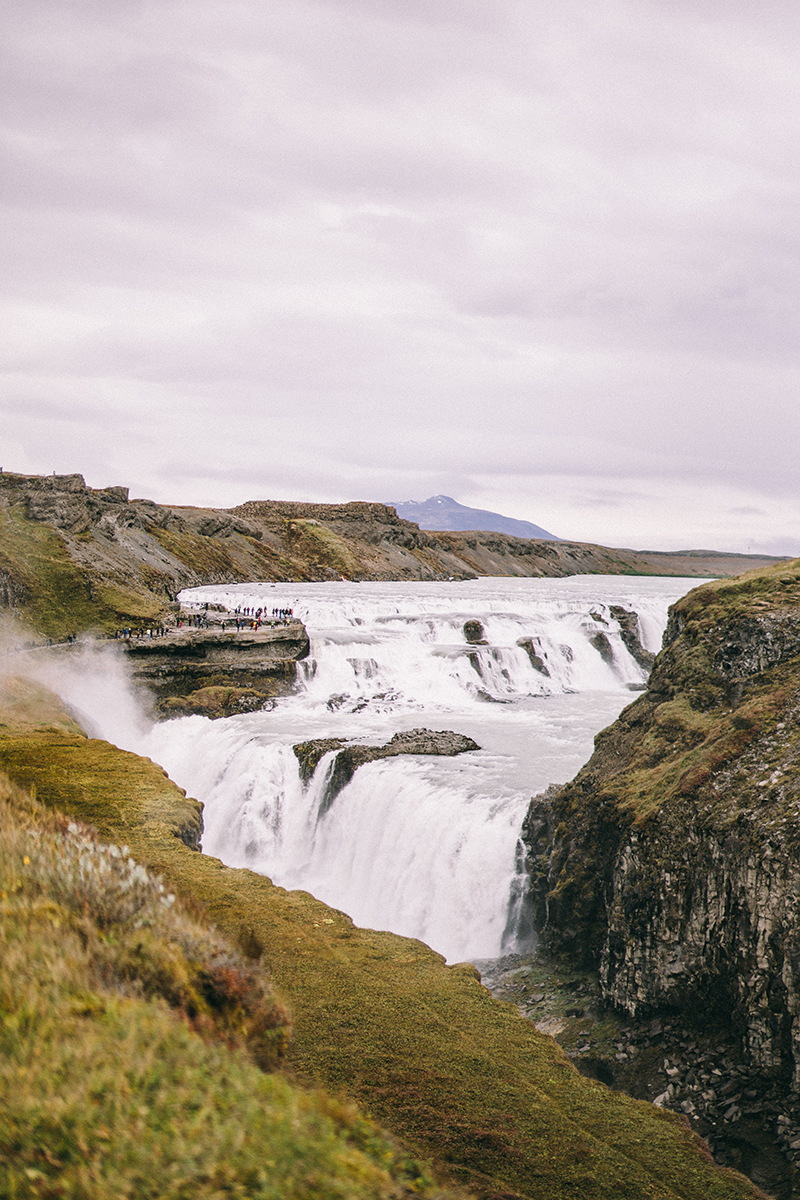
(426, 847)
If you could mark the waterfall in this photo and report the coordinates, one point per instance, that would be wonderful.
(426, 847)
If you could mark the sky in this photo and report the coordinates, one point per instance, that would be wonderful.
(543, 258)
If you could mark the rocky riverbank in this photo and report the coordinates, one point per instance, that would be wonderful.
(700, 1073)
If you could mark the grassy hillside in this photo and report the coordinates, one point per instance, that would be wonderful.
(131, 1039)
(462, 1078)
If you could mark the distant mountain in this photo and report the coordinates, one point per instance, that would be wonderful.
(445, 513)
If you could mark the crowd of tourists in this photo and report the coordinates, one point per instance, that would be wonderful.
(243, 618)
(198, 620)
(281, 615)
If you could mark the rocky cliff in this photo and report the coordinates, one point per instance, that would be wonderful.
(672, 861)
(213, 671)
(75, 559)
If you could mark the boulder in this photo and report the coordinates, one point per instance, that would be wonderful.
(537, 662)
(474, 633)
(628, 623)
(603, 647)
(350, 758)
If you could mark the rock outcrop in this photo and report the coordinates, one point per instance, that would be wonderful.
(351, 757)
(672, 861)
(215, 672)
(628, 623)
(532, 649)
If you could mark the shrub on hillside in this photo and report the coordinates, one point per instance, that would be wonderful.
(138, 940)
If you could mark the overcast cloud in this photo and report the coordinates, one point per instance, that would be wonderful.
(543, 258)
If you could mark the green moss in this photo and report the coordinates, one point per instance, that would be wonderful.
(61, 598)
(322, 547)
(125, 606)
(208, 556)
(106, 1091)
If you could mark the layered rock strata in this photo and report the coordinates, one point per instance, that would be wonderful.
(216, 672)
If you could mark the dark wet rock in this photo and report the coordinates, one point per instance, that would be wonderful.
(215, 703)
(628, 623)
(350, 758)
(538, 831)
(308, 755)
(475, 663)
(603, 647)
(537, 662)
(474, 633)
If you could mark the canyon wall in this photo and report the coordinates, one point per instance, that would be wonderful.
(672, 861)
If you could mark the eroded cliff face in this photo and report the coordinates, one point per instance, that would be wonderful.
(672, 861)
(214, 672)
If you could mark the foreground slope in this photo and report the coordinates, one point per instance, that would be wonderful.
(132, 1036)
(462, 1078)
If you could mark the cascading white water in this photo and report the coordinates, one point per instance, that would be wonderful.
(426, 847)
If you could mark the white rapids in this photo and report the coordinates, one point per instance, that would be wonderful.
(427, 847)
